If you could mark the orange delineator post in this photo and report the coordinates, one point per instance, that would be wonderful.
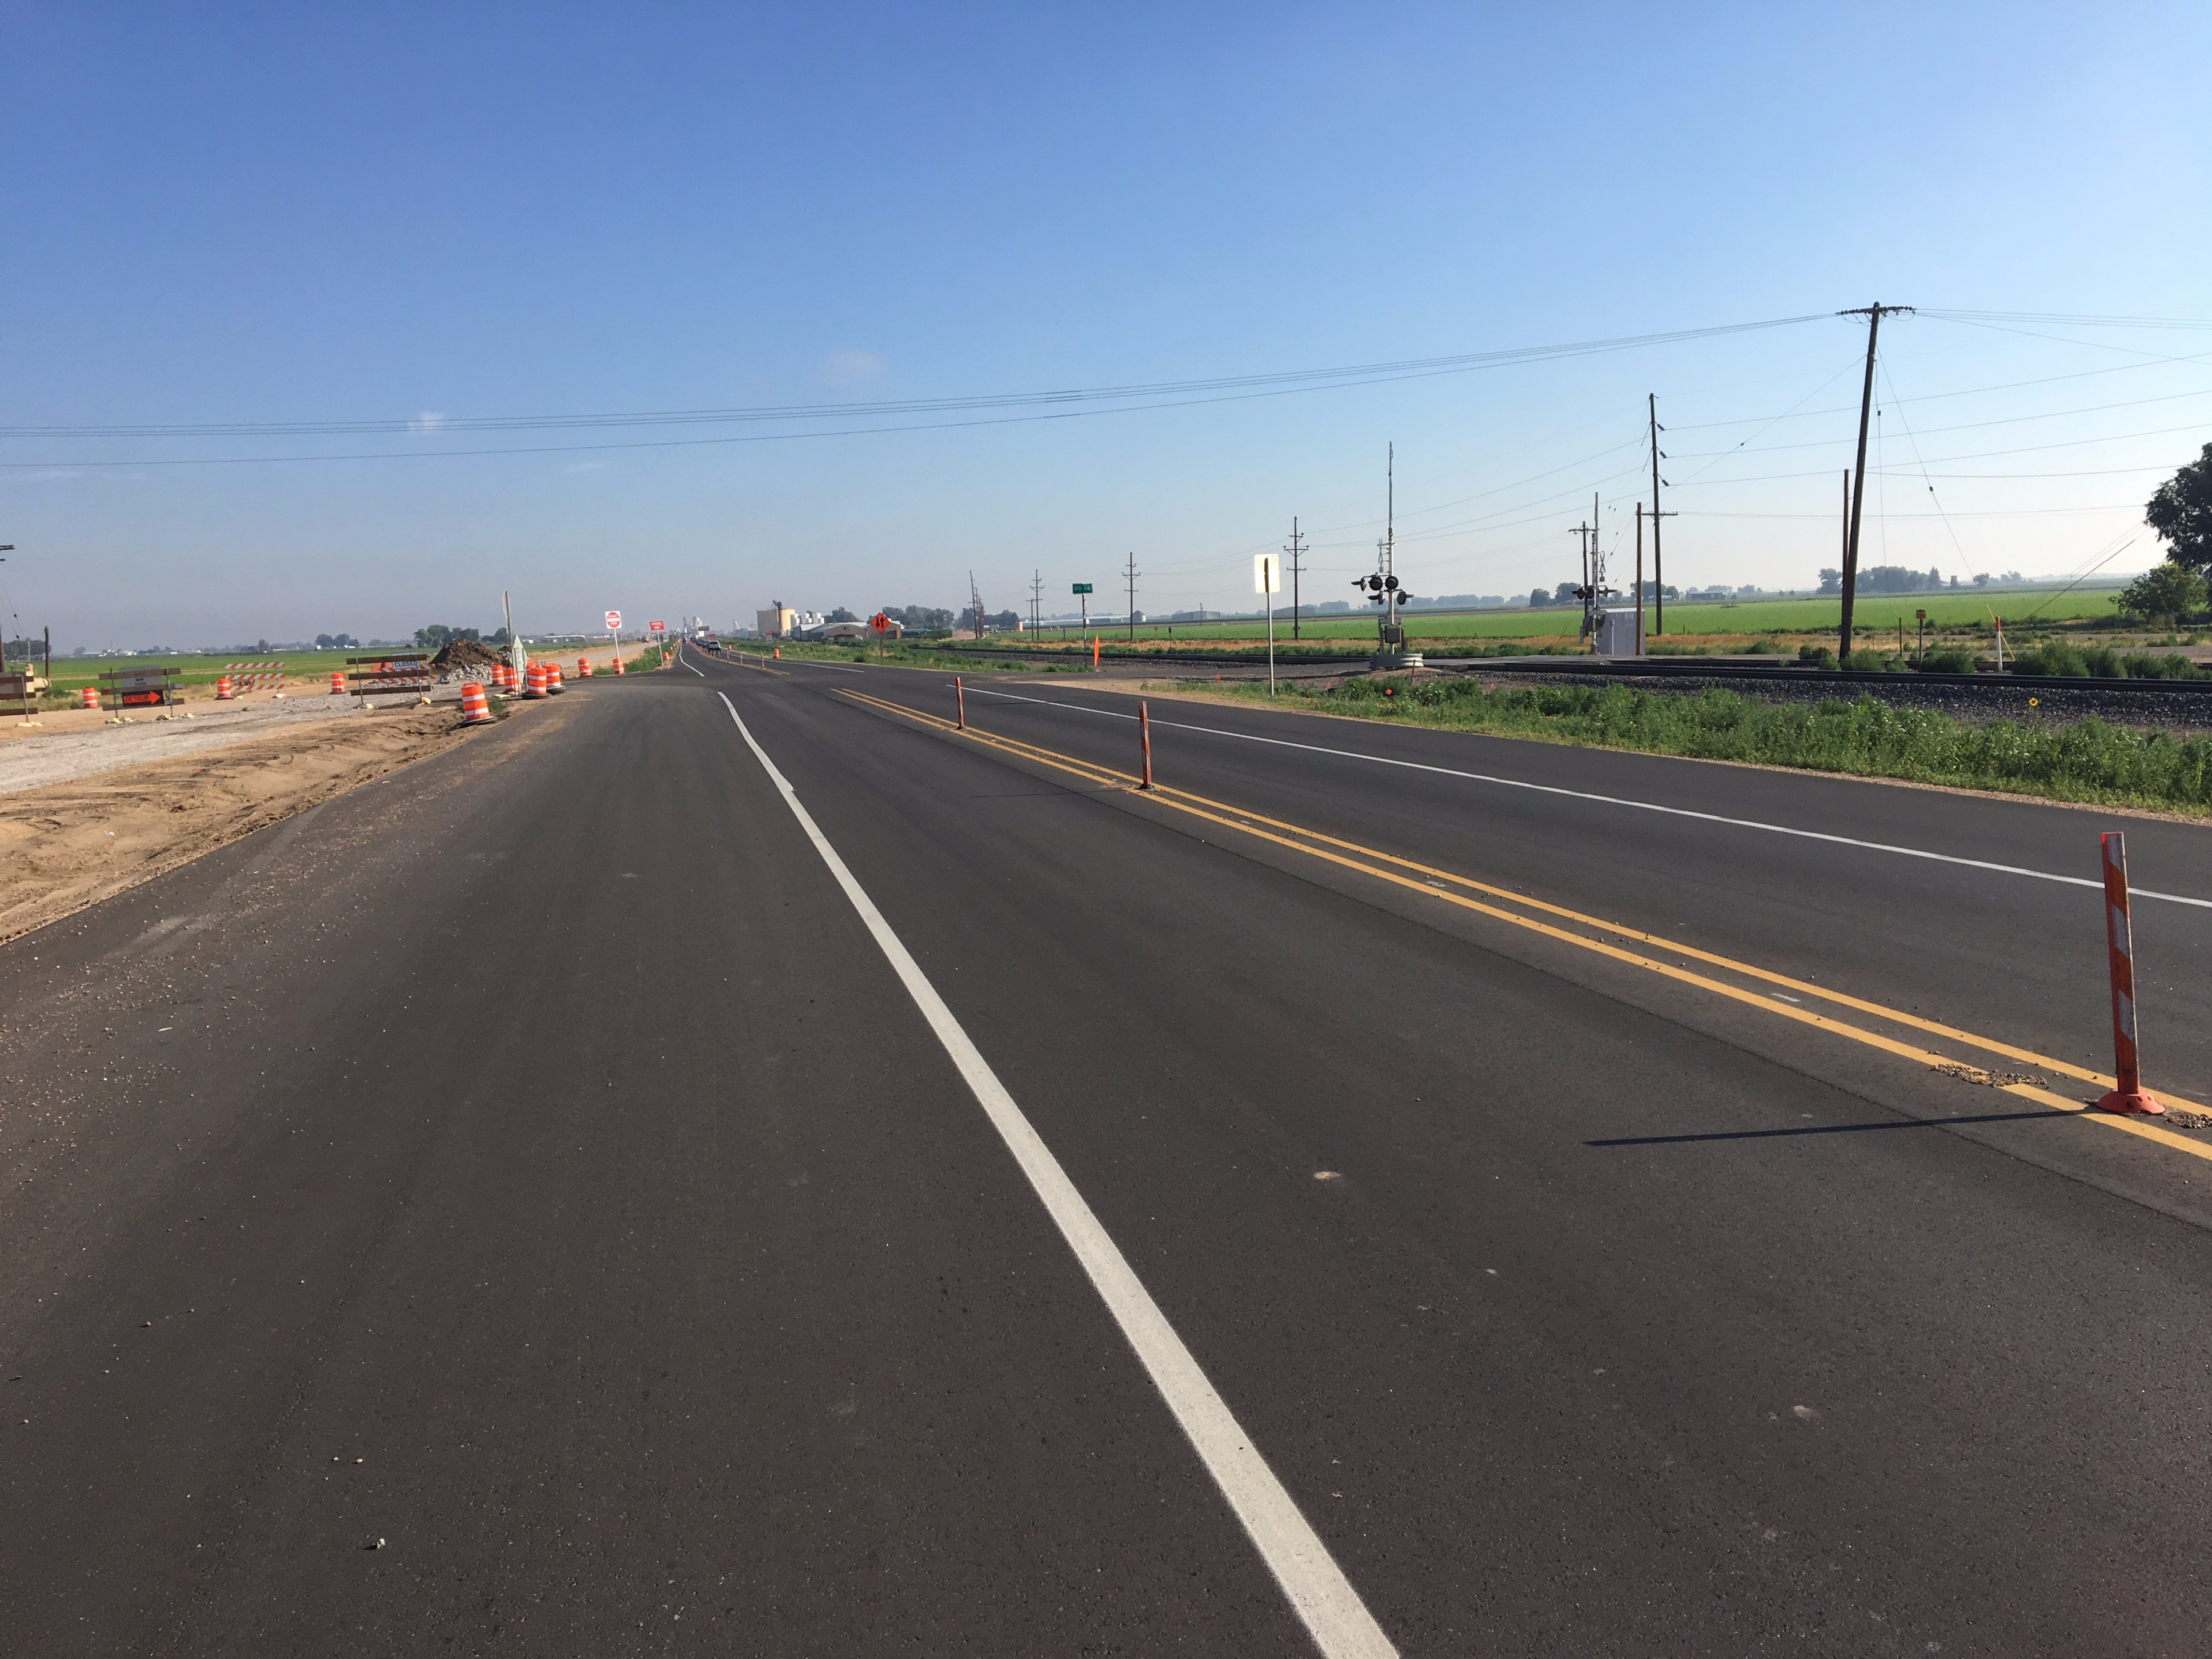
(1094, 651)
(1144, 738)
(2120, 949)
(960, 703)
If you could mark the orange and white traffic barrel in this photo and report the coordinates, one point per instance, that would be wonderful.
(90, 699)
(533, 679)
(618, 667)
(553, 683)
(583, 668)
(338, 684)
(222, 691)
(476, 707)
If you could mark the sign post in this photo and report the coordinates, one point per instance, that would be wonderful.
(1267, 578)
(614, 632)
(882, 625)
(1083, 589)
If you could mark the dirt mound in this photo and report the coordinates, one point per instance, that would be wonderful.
(465, 653)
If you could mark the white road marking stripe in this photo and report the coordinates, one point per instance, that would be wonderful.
(684, 660)
(1318, 1591)
(1611, 800)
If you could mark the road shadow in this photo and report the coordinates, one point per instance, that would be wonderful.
(1829, 1129)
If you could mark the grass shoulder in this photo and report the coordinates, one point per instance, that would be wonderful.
(2087, 760)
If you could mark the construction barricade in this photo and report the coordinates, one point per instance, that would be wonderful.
(404, 671)
(140, 687)
(256, 676)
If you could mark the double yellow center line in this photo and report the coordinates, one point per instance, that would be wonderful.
(1455, 890)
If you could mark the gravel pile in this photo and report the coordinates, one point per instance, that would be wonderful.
(30, 763)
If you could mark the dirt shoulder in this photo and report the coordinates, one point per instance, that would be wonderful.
(71, 844)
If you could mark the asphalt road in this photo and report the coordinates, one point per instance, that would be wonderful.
(536, 1162)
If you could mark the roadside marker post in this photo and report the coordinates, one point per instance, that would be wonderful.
(1094, 653)
(1145, 740)
(959, 703)
(2119, 944)
(1267, 578)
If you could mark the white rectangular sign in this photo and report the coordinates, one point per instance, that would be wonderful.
(1267, 572)
(614, 619)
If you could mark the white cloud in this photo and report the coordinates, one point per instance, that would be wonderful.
(429, 421)
(845, 368)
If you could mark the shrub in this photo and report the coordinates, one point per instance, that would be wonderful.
(1947, 659)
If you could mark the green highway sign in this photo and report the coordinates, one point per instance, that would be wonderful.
(1080, 587)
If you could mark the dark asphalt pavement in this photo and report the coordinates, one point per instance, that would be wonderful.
(531, 1162)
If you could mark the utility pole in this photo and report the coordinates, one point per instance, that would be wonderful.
(1583, 531)
(1658, 570)
(1296, 548)
(1658, 575)
(1873, 314)
(1132, 574)
(1036, 598)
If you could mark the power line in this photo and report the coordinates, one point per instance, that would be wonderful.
(1358, 373)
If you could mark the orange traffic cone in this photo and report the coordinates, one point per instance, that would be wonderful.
(476, 707)
(91, 698)
(583, 668)
(222, 691)
(533, 682)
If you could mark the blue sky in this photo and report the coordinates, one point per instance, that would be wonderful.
(306, 214)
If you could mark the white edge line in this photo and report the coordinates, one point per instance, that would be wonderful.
(1321, 1594)
(1613, 800)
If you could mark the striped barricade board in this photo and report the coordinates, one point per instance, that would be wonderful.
(401, 671)
(143, 687)
(255, 675)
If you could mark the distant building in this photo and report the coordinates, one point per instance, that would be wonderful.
(780, 622)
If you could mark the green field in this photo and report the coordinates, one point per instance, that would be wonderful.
(1945, 609)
